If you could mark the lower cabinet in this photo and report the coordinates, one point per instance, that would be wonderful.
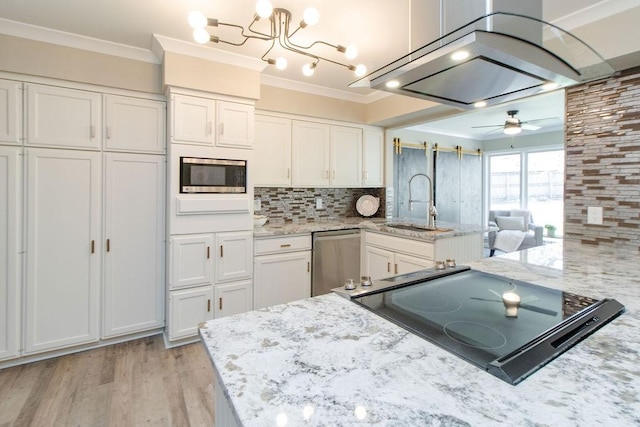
(210, 275)
(187, 308)
(282, 270)
(386, 256)
(233, 298)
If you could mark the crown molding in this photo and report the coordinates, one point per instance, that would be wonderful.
(163, 44)
(269, 80)
(47, 35)
(593, 13)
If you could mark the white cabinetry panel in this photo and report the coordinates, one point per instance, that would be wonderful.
(346, 156)
(134, 235)
(63, 118)
(10, 112)
(281, 278)
(10, 246)
(193, 120)
(134, 124)
(188, 308)
(272, 150)
(235, 125)
(191, 260)
(310, 153)
(63, 248)
(233, 298)
(234, 256)
(373, 155)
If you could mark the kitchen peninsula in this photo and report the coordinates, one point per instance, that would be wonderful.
(327, 361)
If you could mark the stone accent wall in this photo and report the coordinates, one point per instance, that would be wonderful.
(603, 160)
(299, 204)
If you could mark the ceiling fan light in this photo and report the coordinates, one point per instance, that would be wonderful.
(512, 129)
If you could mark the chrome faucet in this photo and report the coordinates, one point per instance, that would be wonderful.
(432, 212)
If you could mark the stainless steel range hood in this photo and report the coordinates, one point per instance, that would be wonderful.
(496, 58)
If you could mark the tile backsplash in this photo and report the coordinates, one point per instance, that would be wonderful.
(284, 205)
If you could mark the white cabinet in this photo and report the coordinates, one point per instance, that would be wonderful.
(282, 270)
(346, 157)
(10, 112)
(191, 262)
(134, 124)
(196, 120)
(386, 255)
(193, 120)
(63, 251)
(310, 154)
(188, 308)
(233, 256)
(373, 158)
(63, 118)
(233, 298)
(133, 243)
(235, 125)
(272, 148)
(10, 247)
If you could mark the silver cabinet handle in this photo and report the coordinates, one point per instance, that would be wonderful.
(92, 131)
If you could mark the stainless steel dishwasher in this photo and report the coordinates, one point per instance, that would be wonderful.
(335, 258)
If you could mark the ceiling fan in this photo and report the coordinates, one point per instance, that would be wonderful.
(513, 125)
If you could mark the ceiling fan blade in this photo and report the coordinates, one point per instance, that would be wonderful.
(529, 127)
(488, 126)
(542, 119)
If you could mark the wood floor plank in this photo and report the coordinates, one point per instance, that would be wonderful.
(133, 383)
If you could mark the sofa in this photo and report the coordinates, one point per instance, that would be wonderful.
(534, 232)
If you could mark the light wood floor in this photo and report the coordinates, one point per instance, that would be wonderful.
(129, 384)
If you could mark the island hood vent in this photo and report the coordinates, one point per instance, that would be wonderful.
(496, 58)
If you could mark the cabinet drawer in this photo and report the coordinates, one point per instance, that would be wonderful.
(399, 244)
(282, 244)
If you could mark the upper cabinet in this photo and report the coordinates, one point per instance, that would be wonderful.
(204, 121)
(304, 153)
(134, 124)
(10, 112)
(193, 120)
(310, 152)
(273, 147)
(373, 158)
(235, 125)
(63, 118)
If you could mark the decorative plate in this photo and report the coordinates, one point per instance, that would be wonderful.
(367, 205)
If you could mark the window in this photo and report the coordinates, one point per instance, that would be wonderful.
(531, 180)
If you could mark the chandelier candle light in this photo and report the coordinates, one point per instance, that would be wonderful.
(280, 33)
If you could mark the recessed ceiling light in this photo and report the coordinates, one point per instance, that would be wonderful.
(460, 55)
(392, 84)
(550, 86)
(480, 104)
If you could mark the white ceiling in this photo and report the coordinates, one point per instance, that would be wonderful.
(380, 29)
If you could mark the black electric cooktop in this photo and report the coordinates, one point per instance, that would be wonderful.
(508, 327)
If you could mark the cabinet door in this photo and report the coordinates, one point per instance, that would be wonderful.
(193, 120)
(234, 256)
(281, 278)
(63, 118)
(310, 148)
(134, 124)
(191, 261)
(373, 169)
(187, 309)
(272, 149)
(134, 250)
(235, 125)
(379, 263)
(346, 156)
(63, 248)
(10, 247)
(233, 298)
(10, 112)
(407, 264)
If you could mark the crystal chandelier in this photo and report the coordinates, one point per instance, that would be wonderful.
(280, 35)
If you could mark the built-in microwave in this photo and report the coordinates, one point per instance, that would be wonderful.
(199, 175)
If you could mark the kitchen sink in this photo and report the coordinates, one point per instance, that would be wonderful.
(418, 227)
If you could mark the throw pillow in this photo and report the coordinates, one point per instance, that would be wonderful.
(510, 222)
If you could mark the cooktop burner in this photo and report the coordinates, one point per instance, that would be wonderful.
(508, 327)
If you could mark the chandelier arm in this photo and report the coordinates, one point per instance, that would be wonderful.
(313, 44)
(266, 36)
(295, 48)
(259, 36)
(273, 43)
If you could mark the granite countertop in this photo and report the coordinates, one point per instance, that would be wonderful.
(327, 361)
(447, 230)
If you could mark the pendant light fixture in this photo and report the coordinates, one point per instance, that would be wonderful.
(279, 35)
